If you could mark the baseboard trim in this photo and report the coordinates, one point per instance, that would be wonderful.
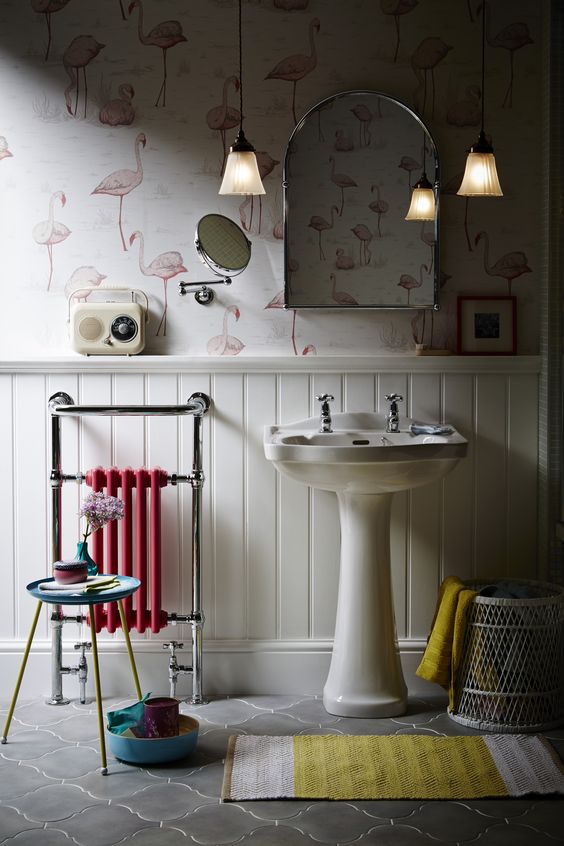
(230, 667)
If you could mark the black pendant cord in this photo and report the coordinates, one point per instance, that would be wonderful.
(483, 58)
(241, 72)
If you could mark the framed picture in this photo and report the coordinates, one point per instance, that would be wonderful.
(487, 325)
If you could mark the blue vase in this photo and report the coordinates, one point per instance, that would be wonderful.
(82, 554)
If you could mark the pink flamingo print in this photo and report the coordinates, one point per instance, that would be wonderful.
(365, 236)
(343, 143)
(266, 165)
(396, 8)
(278, 302)
(122, 10)
(224, 117)
(309, 350)
(510, 38)
(294, 68)
(47, 8)
(78, 54)
(509, 266)
(341, 297)
(466, 112)
(342, 261)
(225, 344)
(428, 238)
(164, 266)
(321, 225)
(409, 282)
(409, 165)
(164, 35)
(379, 206)
(119, 112)
(122, 182)
(4, 150)
(342, 181)
(82, 282)
(364, 116)
(50, 231)
(425, 58)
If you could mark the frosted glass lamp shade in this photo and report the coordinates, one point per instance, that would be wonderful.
(422, 206)
(480, 176)
(241, 169)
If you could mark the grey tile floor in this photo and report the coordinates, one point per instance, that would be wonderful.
(52, 795)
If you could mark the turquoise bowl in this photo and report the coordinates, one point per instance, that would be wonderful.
(156, 750)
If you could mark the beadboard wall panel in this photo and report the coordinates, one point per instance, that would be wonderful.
(271, 546)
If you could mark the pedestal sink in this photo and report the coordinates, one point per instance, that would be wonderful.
(364, 465)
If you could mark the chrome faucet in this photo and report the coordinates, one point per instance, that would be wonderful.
(325, 422)
(392, 418)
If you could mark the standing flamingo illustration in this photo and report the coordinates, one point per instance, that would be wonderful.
(82, 282)
(409, 165)
(409, 282)
(278, 301)
(4, 150)
(379, 206)
(122, 182)
(47, 8)
(224, 117)
(266, 165)
(119, 112)
(78, 54)
(343, 143)
(425, 58)
(164, 266)
(509, 266)
(466, 112)
(50, 231)
(342, 181)
(341, 297)
(320, 225)
(342, 261)
(396, 8)
(365, 236)
(364, 116)
(294, 68)
(225, 344)
(450, 188)
(429, 239)
(164, 35)
(510, 38)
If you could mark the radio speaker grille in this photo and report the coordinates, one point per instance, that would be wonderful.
(90, 328)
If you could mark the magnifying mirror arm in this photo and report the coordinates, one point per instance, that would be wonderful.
(202, 293)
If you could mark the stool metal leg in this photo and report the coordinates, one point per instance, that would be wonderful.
(129, 650)
(21, 673)
(98, 691)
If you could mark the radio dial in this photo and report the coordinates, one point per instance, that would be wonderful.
(123, 328)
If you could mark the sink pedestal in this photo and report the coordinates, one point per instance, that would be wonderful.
(365, 678)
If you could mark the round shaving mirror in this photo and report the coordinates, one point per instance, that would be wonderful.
(222, 245)
(226, 250)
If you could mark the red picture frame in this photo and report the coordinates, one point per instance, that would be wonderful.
(486, 325)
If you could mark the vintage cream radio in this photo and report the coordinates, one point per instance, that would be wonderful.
(114, 324)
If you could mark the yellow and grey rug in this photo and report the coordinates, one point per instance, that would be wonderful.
(389, 767)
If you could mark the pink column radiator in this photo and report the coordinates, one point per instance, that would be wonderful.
(143, 561)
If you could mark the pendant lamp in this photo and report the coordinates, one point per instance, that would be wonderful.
(241, 169)
(480, 176)
(422, 206)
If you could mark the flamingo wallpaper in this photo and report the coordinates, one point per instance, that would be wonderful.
(113, 129)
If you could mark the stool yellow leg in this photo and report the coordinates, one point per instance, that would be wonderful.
(21, 673)
(129, 650)
(98, 692)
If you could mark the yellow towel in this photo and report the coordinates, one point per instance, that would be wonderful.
(444, 647)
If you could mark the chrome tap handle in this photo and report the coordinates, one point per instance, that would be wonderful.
(394, 398)
(392, 418)
(325, 423)
(325, 397)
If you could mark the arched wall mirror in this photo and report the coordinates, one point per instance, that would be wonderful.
(349, 170)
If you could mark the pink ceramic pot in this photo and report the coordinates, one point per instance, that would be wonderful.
(70, 572)
(160, 718)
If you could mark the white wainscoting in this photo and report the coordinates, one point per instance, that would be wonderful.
(270, 546)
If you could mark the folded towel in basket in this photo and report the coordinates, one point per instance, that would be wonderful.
(444, 646)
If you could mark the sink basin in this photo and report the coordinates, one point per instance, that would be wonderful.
(364, 466)
(359, 455)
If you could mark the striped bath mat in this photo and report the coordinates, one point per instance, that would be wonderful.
(394, 767)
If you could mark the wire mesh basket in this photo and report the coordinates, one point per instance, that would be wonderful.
(511, 676)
